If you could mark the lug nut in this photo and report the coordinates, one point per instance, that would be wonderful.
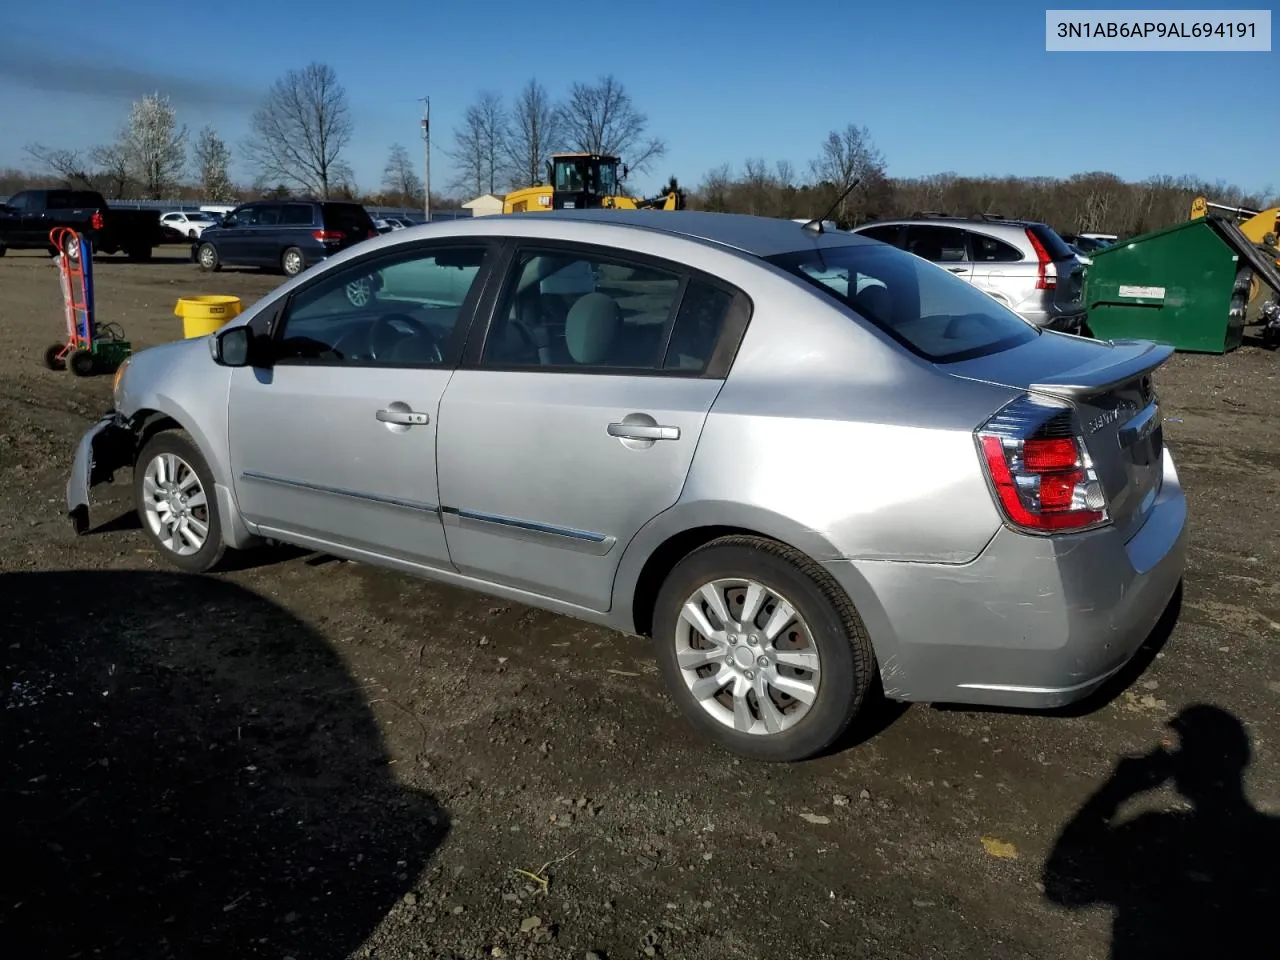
(751, 674)
(763, 661)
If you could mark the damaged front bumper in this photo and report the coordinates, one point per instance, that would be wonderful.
(108, 446)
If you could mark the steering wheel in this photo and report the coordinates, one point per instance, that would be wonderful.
(386, 324)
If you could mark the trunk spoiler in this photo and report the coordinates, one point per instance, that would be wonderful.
(1136, 357)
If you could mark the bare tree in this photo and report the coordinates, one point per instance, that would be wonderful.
(848, 155)
(114, 178)
(69, 165)
(480, 146)
(153, 146)
(299, 132)
(213, 161)
(533, 134)
(601, 118)
(400, 179)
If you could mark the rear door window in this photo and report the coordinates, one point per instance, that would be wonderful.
(297, 215)
(937, 244)
(268, 215)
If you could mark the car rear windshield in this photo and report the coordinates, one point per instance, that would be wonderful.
(1052, 241)
(351, 218)
(927, 309)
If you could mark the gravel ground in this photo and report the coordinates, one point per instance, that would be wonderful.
(307, 758)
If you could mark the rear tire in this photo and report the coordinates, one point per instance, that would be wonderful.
(82, 363)
(742, 663)
(172, 475)
(291, 262)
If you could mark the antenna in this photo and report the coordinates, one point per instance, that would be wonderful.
(815, 226)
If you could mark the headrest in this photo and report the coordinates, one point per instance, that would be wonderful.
(590, 328)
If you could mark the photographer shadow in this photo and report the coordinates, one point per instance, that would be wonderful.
(190, 772)
(1194, 882)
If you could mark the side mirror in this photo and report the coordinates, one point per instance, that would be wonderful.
(232, 347)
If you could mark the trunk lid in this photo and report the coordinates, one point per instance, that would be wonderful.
(1110, 385)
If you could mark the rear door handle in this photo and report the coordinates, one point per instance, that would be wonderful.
(407, 418)
(958, 269)
(643, 431)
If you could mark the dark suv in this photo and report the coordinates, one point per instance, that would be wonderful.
(288, 235)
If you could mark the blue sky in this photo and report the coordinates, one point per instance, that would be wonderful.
(941, 86)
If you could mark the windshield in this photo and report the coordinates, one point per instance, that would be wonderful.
(924, 307)
(568, 176)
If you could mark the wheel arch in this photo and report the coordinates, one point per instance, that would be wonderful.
(672, 535)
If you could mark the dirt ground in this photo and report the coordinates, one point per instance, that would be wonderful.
(314, 759)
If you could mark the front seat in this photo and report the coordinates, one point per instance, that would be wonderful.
(591, 328)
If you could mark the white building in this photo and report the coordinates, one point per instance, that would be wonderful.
(484, 205)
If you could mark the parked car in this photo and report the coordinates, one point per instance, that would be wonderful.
(800, 463)
(1085, 243)
(1023, 264)
(187, 223)
(288, 235)
(29, 216)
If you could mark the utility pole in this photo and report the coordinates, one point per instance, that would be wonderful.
(426, 158)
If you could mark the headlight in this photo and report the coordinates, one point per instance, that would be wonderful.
(117, 380)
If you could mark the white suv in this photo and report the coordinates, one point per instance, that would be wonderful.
(1023, 264)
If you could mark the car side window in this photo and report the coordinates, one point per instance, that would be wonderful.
(268, 215)
(889, 233)
(406, 309)
(577, 312)
(937, 244)
(297, 215)
(245, 217)
(990, 250)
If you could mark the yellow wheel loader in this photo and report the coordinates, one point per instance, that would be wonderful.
(585, 181)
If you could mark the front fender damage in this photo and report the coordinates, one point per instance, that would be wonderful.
(109, 445)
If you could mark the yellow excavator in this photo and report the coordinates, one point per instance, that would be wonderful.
(1262, 229)
(586, 181)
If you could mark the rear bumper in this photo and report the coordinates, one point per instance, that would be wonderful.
(1034, 622)
(106, 447)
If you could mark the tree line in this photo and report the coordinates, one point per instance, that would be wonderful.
(299, 135)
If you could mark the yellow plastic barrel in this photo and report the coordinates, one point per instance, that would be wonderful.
(201, 316)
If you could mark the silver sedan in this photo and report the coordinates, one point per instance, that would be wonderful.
(803, 462)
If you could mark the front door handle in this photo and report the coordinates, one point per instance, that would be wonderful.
(643, 431)
(406, 418)
(958, 269)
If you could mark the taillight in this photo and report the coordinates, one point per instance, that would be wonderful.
(372, 233)
(1047, 272)
(328, 236)
(96, 220)
(1040, 469)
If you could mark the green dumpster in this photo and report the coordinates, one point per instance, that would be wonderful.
(1186, 285)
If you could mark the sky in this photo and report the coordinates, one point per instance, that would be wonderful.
(941, 86)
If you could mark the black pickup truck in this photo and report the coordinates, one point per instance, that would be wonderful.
(27, 218)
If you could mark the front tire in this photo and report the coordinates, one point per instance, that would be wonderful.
(761, 649)
(177, 504)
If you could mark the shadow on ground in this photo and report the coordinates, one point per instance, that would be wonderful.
(188, 771)
(1199, 881)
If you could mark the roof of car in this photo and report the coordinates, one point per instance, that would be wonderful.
(759, 236)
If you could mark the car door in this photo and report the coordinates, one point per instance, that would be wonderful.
(334, 446)
(262, 240)
(1000, 270)
(945, 246)
(231, 238)
(574, 422)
